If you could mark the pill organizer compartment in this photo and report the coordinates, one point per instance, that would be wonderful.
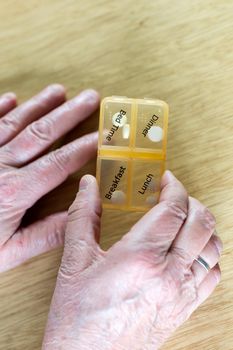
(146, 176)
(113, 179)
(115, 122)
(151, 125)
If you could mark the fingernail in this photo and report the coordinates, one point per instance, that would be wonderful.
(83, 184)
(90, 96)
(9, 96)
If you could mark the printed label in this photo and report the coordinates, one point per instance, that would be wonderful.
(115, 126)
(115, 182)
(146, 183)
(151, 122)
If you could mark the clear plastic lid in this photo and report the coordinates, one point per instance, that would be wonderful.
(134, 124)
(131, 152)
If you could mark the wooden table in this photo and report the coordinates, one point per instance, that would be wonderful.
(179, 51)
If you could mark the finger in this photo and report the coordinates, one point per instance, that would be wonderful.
(52, 169)
(207, 287)
(83, 229)
(7, 103)
(195, 233)
(39, 135)
(162, 223)
(15, 121)
(211, 254)
(173, 191)
(33, 240)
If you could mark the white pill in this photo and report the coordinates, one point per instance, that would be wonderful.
(155, 134)
(119, 120)
(151, 200)
(118, 197)
(126, 131)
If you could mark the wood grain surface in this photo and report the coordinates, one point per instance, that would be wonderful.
(178, 51)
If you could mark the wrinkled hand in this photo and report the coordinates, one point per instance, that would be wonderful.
(25, 132)
(134, 295)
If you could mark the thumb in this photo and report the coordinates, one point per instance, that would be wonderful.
(83, 228)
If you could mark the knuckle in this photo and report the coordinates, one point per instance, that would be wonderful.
(60, 158)
(81, 202)
(70, 105)
(11, 121)
(202, 214)
(81, 209)
(182, 258)
(41, 130)
(175, 209)
(80, 214)
(39, 101)
(66, 271)
(206, 219)
(7, 155)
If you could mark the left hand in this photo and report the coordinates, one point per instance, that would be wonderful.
(25, 132)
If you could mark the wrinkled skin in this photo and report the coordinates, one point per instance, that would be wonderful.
(132, 296)
(25, 176)
(136, 294)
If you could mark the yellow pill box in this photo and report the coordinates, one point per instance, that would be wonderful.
(131, 152)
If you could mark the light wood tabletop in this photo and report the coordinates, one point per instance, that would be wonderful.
(178, 51)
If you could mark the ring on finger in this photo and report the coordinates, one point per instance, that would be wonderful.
(203, 263)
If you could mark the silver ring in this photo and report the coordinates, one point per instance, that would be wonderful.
(203, 263)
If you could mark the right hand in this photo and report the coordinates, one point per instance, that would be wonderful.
(137, 293)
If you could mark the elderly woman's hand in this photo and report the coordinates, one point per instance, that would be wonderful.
(25, 133)
(134, 295)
